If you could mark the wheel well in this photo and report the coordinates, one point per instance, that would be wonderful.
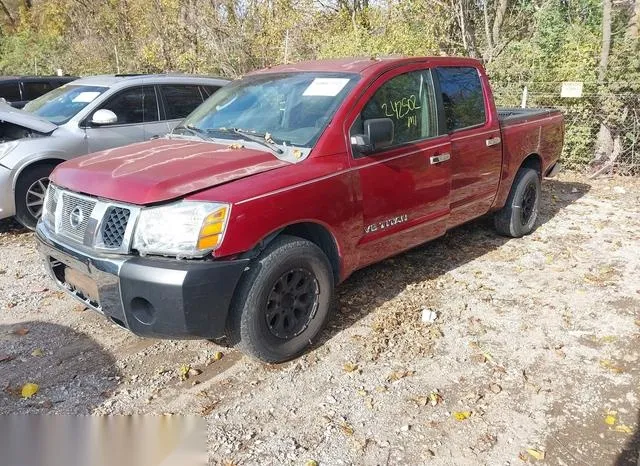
(38, 163)
(533, 161)
(322, 238)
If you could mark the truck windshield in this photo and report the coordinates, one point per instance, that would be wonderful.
(63, 103)
(285, 108)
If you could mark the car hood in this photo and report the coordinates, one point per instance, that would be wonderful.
(161, 169)
(27, 120)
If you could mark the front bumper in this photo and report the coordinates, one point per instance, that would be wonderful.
(153, 297)
(7, 202)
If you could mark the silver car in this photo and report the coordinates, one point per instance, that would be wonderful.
(87, 115)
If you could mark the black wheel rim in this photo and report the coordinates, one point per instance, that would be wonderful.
(35, 196)
(528, 203)
(292, 303)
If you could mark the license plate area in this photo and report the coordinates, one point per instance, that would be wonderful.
(77, 283)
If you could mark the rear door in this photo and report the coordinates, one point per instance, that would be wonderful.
(138, 116)
(476, 148)
(404, 188)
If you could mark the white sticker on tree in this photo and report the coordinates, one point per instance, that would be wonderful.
(328, 87)
(86, 97)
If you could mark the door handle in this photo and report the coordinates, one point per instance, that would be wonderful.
(435, 159)
(493, 141)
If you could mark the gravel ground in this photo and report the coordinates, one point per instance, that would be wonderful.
(532, 356)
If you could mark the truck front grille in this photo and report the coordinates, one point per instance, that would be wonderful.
(76, 212)
(114, 226)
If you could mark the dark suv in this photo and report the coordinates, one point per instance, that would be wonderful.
(18, 90)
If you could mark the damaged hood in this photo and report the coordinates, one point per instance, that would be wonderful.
(25, 119)
(160, 170)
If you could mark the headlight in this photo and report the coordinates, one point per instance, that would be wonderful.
(183, 229)
(7, 147)
(51, 199)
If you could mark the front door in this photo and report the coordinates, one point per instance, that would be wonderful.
(138, 118)
(404, 187)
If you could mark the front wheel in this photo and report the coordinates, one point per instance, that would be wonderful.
(30, 190)
(518, 217)
(283, 301)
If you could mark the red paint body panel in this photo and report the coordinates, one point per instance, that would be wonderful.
(332, 188)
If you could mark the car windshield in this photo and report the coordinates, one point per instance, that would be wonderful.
(283, 108)
(63, 103)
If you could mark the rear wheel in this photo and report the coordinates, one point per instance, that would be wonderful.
(283, 301)
(30, 190)
(518, 217)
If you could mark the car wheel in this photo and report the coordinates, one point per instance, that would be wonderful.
(283, 301)
(30, 190)
(518, 217)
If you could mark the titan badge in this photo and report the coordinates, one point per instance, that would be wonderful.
(386, 223)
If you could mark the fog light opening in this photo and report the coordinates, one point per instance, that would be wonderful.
(143, 311)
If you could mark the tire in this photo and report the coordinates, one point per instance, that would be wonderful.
(283, 302)
(518, 217)
(28, 189)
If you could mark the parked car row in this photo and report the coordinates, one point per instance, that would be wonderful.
(86, 115)
(18, 90)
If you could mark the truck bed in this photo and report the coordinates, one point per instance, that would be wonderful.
(511, 115)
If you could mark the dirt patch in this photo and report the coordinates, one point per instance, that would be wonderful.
(534, 346)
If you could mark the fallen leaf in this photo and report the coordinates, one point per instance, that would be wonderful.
(495, 388)
(311, 463)
(624, 429)
(397, 375)
(350, 367)
(29, 389)
(461, 415)
(5, 357)
(236, 146)
(435, 397)
(346, 428)
(193, 372)
(611, 366)
(217, 356)
(610, 419)
(183, 372)
(537, 454)
(37, 352)
(21, 331)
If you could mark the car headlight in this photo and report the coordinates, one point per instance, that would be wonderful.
(51, 199)
(7, 147)
(183, 229)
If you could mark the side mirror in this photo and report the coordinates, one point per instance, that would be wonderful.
(104, 117)
(378, 134)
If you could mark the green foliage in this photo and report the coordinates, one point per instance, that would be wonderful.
(539, 44)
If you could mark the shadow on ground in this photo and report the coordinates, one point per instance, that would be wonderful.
(10, 225)
(73, 372)
(370, 287)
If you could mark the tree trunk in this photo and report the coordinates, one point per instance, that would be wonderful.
(606, 40)
(501, 11)
(7, 13)
(487, 32)
(634, 21)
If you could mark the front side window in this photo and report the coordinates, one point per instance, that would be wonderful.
(34, 89)
(409, 101)
(63, 103)
(180, 100)
(134, 105)
(293, 109)
(462, 97)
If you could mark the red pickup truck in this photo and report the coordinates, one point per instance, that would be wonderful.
(241, 222)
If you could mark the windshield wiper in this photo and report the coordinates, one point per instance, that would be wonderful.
(262, 139)
(195, 131)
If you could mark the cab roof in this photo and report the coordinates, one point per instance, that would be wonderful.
(363, 65)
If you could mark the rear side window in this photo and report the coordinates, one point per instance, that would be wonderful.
(180, 100)
(34, 89)
(209, 90)
(10, 91)
(135, 105)
(409, 101)
(461, 96)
